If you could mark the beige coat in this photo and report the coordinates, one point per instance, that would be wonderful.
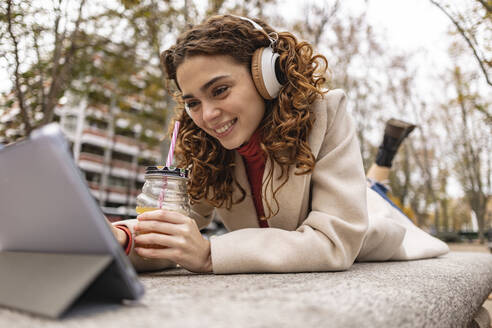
(326, 220)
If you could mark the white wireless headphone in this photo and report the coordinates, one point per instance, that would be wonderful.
(265, 69)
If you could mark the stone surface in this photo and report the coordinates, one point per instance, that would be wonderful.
(441, 292)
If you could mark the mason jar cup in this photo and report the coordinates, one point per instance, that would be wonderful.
(164, 188)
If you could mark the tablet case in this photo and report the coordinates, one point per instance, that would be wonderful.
(48, 283)
(34, 274)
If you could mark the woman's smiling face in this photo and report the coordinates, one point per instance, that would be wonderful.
(221, 98)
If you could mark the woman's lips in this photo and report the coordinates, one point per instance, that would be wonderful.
(225, 129)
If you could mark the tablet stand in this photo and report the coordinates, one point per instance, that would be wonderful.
(49, 284)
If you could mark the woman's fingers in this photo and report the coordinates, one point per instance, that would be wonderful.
(164, 215)
(158, 253)
(157, 226)
(173, 236)
(159, 239)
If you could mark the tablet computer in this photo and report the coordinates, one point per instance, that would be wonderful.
(46, 208)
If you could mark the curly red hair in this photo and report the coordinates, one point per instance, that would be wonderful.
(287, 121)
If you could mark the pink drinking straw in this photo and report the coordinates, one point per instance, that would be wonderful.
(169, 161)
(170, 154)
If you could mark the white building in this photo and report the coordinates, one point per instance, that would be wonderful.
(108, 149)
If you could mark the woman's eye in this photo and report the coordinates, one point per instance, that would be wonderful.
(192, 105)
(220, 90)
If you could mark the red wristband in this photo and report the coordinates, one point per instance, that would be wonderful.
(129, 239)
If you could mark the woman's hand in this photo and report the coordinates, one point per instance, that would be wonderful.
(119, 234)
(179, 237)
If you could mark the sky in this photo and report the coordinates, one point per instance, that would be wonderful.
(408, 24)
(416, 26)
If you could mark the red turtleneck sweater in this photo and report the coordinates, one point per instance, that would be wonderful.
(254, 160)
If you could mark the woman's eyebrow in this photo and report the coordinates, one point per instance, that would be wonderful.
(206, 85)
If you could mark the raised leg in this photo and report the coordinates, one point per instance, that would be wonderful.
(395, 132)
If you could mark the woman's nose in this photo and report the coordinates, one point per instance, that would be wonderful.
(209, 111)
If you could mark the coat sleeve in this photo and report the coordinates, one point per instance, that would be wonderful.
(143, 265)
(330, 237)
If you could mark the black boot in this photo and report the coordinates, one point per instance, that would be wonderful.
(394, 133)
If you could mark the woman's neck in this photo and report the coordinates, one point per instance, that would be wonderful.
(251, 149)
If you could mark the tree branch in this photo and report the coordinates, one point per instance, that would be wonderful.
(42, 93)
(59, 78)
(486, 5)
(463, 34)
(18, 89)
(55, 69)
(324, 16)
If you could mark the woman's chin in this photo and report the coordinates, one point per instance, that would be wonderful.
(230, 144)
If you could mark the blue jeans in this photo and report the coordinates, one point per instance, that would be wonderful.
(383, 191)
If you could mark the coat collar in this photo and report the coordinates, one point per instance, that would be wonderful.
(318, 131)
(291, 195)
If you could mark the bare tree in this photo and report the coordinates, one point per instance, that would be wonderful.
(354, 53)
(467, 24)
(325, 13)
(471, 148)
(474, 149)
(49, 83)
(17, 78)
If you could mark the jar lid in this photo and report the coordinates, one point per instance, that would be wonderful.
(168, 171)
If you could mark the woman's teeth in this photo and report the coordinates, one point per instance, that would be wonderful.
(226, 127)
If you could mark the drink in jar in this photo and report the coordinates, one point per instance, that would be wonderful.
(164, 188)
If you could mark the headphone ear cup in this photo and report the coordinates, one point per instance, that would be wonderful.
(263, 72)
(257, 74)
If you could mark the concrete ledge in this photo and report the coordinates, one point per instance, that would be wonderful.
(442, 292)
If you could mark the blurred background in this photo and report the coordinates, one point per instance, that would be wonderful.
(93, 66)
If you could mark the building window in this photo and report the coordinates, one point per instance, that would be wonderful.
(127, 132)
(96, 123)
(112, 204)
(122, 157)
(118, 182)
(92, 149)
(92, 176)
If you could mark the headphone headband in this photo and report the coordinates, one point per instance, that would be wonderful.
(273, 37)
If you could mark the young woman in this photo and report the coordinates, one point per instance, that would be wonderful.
(271, 154)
